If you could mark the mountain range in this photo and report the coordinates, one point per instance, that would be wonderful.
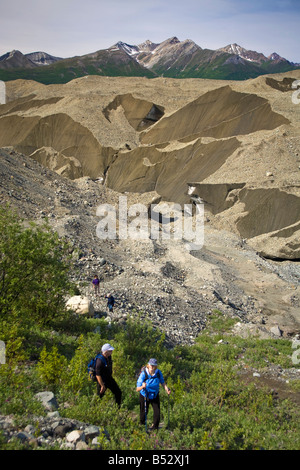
(171, 58)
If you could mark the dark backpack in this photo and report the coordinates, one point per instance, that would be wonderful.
(92, 367)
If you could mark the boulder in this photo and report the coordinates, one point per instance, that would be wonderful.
(250, 330)
(91, 432)
(75, 436)
(81, 305)
(48, 400)
(276, 331)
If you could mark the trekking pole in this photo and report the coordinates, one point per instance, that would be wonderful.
(145, 402)
(168, 411)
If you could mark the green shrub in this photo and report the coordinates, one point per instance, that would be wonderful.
(34, 268)
(51, 367)
(17, 390)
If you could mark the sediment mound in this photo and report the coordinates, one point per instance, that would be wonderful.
(284, 85)
(218, 113)
(27, 103)
(168, 171)
(239, 143)
(139, 113)
(61, 133)
(268, 218)
(267, 210)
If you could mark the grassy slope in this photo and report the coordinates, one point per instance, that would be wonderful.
(211, 406)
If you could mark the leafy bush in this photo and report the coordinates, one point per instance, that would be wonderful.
(51, 367)
(34, 269)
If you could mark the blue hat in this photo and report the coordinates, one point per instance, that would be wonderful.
(152, 362)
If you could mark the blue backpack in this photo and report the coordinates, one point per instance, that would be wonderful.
(153, 382)
(92, 367)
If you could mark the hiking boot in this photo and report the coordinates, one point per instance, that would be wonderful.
(153, 428)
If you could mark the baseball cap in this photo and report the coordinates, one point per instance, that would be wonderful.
(107, 347)
(152, 362)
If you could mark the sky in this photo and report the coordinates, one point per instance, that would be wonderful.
(66, 28)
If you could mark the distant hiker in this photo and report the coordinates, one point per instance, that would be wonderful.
(148, 385)
(96, 284)
(110, 302)
(104, 374)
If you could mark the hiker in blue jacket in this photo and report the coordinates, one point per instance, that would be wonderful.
(148, 385)
(104, 374)
(110, 302)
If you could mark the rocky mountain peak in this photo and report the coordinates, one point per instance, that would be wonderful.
(276, 57)
(10, 55)
(147, 46)
(15, 59)
(172, 40)
(42, 58)
(251, 56)
(123, 46)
